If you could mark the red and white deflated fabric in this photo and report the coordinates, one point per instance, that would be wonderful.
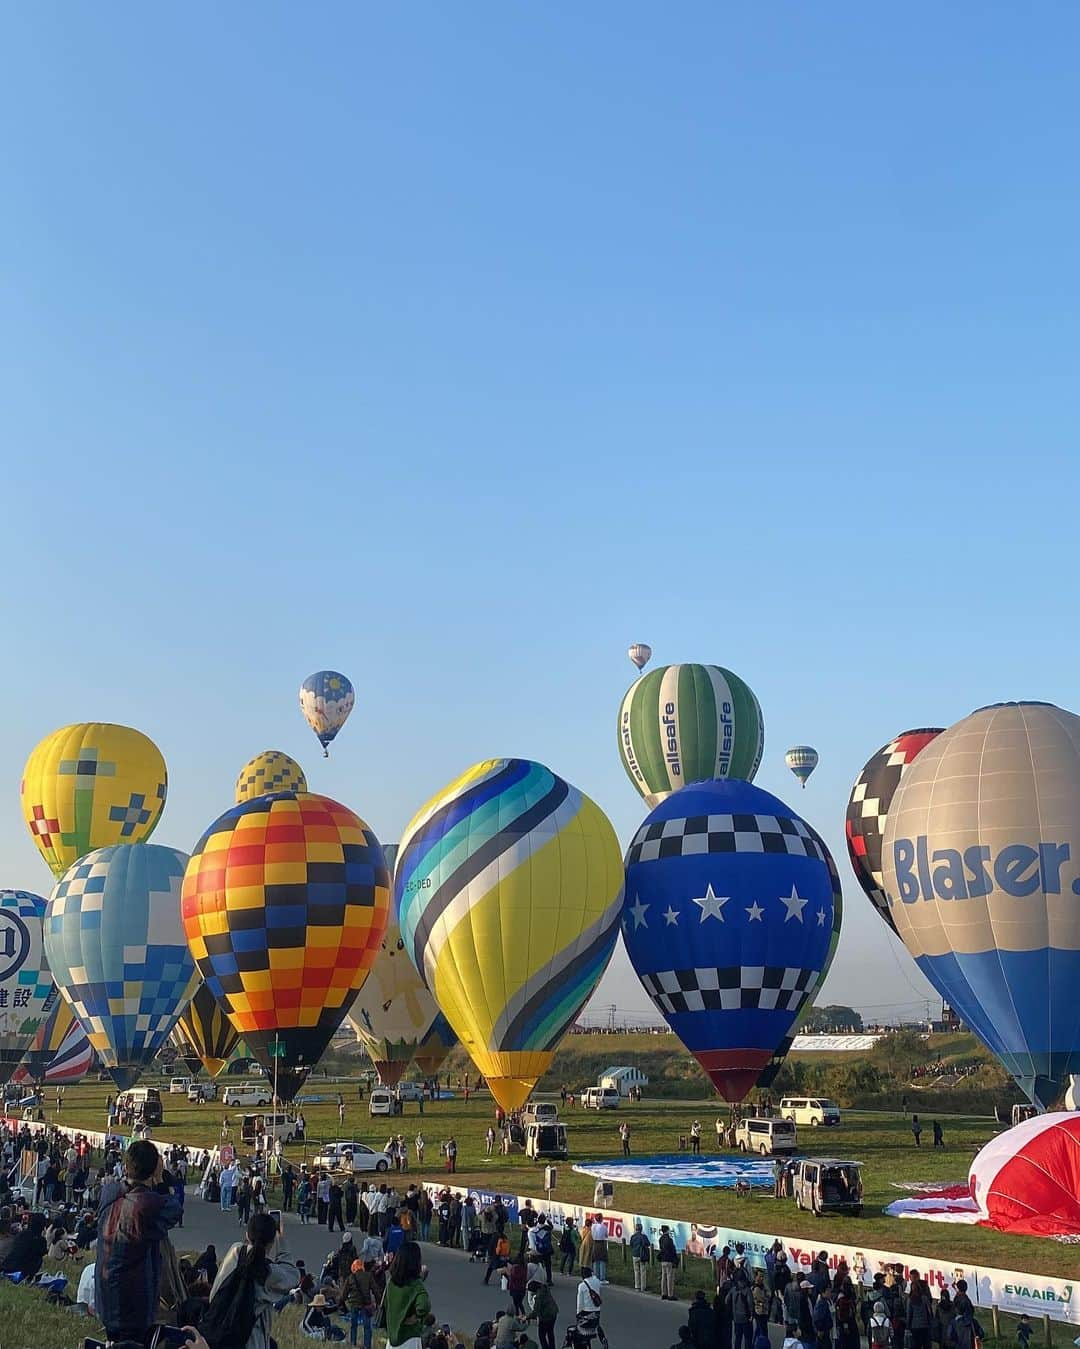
(1027, 1180)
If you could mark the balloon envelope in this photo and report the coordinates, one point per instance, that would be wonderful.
(205, 1033)
(868, 809)
(640, 653)
(434, 1049)
(116, 948)
(728, 922)
(393, 1012)
(50, 1034)
(688, 723)
(326, 699)
(982, 871)
(509, 886)
(802, 760)
(269, 772)
(26, 985)
(285, 902)
(1027, 1179)
(89, 786)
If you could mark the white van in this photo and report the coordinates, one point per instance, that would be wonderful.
(540, 1112)
(765, 1136)
(179, 1086)
(410, 1091)
(600, 1098)
(383, 1101)
(812, 1110)
(254, 1128)
(248, 1093)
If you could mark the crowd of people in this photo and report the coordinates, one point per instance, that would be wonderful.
(824, 1308)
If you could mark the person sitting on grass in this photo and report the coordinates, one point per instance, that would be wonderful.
(316, 1324)
(27, 1250)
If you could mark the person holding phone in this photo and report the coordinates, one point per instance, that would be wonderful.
(135, 1217)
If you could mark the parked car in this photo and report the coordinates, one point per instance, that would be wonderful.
(812, 1110)
(765, 1136)
(540, 1112)
(600, 1098)
(545, 1138)
(336, 1157)
(253, 1128)
(202, 1091)
(248, 1093)
(384, 1101)
(144, 1103)
(410, 1091)
(178, 1086)
(824, 1185)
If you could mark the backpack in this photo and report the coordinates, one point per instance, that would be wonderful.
(543, 1241)
(880, 1333)
(229, 1319)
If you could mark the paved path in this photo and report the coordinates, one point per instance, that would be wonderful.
(458, 1295)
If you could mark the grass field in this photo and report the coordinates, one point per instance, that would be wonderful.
(882, 1141)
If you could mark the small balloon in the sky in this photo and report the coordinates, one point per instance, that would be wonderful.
(802, 760)
(640, 653)
(326, 699)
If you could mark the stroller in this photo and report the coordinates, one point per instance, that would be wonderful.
(584, 1331)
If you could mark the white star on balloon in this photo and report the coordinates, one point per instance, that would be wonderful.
(711, 904)
(821, 917)
(638, 910)
(755, 911)
(671, 916)
(794, 904)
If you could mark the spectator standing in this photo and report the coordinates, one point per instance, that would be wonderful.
(741, 1305)
(322, 1198)
(640, 1252)
(624, 1135)
(544, 1310)
(669, 1259)
(599, 1235)
(916, 1130)
(133, 1220)
(568, 1247)
(695, 1137)
(702, 1322)
(939, 1136)
(359, 1293)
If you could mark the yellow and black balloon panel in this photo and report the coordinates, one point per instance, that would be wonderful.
(208, 1035)
(91, 785)
(284, 903)
(269, 772)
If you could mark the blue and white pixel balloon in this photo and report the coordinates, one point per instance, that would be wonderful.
(25, 982)
(728, 921)
(116, 947)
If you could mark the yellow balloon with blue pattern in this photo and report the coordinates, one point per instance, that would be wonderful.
(267, 773)
(509, 889)
(91, 785)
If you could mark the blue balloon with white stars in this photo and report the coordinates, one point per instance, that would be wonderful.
(728, 920)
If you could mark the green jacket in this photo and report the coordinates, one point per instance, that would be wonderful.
(545, 1308)
(406, 1310)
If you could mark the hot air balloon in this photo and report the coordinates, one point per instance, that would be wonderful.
(868, 808)
(772, 1069)
(269, 772)
(26, 985)
(981, 863)
(184, 1051)
(640, 654)
(802, 760)
(326, 699)
(434, 1049)
(285, 903)
(728, 922)
(90, 786)
(208, 1035)
(70, 1060)
(509, 890)
(393, 1012)
(50, 1034)
(115, 946)
(688, 723)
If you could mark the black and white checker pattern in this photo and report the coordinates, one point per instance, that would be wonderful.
(697, 834)
(769, 987)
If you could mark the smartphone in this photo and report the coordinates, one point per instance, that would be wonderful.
(172, 1336)
(275, 1213)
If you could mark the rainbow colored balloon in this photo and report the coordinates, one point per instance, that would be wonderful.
(509, 888)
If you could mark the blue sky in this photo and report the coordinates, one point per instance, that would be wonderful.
(458, 347)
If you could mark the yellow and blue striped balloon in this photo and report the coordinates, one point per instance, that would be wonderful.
(509, 888)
